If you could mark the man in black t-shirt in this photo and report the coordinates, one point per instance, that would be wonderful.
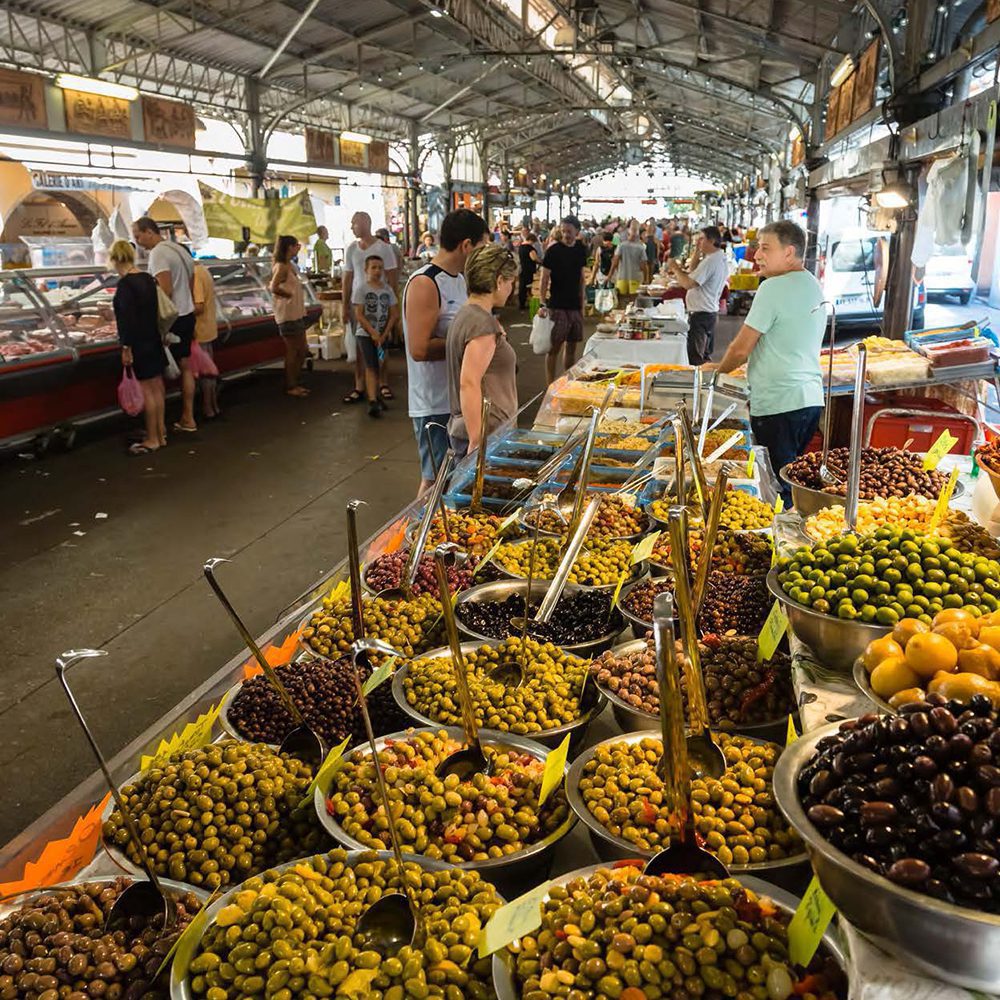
(563, 292)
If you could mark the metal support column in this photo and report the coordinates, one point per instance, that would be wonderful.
(413, 165)
(899, 281)
(484, 170)
(256, 143)
(812, 142)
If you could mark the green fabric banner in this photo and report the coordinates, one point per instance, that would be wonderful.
(266, 218)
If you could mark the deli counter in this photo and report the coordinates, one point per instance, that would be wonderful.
(60, 361)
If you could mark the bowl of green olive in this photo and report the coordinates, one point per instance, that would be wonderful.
(439, 815)
(600, 565)
(556, 698)
(586, 946)
(312, 907)
(602, 790)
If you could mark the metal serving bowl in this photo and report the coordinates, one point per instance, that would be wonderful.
(632, 719)
(861, 679)
(508, 871)
(487, 593)
(228, 725)
(953, 943)
(638, 571)
(612, 848)
(549, 738)
(529, 529)
(639, 627)
(808, 501)
(180, 988)
(835, 641)
(503, 976)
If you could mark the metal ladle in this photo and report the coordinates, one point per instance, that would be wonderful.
(684, 856)
(826, 477)
(471, 759)
(709, 758)
(140, 899)
(303, 741)
(394, 920)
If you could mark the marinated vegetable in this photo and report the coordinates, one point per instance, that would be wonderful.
(735, 815)
(477, 819)
(310, 945)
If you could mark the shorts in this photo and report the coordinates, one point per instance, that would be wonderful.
(367, 351)
(701, 337)
(293, 328)
(184, 328)
(431, 459)
(148, 360)
(567, 326)
(627, 287)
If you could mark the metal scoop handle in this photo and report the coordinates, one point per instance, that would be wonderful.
(586, 458)
(417, 548)
(673, 764)
(354, 568)
(708, 542)
(477, 485)
(696, 468)
(64, 664)
(558, 584)
(707, 413)
(857, 422)
(442, 506)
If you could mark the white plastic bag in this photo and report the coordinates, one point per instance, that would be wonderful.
(605, 299)
(350, 343)
(173, 369)
(541, 334)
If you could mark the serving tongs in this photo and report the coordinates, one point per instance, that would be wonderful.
(684, 856)
(303, 741)
(826, 477)
(394, 920)
(702, 749)
(477, 484)
(697, 471)
(707, 413)
(708, 541)
(442, 506)
(470, 759)
(854, 459)
(412, 564)
(140, 899)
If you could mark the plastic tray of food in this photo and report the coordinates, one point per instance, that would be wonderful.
(971, 351)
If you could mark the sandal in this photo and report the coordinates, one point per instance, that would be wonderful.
(354, 396)
(298, 391)
(141, 449)
(185, 430)
(385, 392)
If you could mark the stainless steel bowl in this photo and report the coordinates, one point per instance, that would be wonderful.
(498, 590)
(638, 571)
(632, 719)
(612, 848)
(180, 988)
(836, 642)
(639, 627)
(952, 943)
(530, 862)
(529, 529)
(808, 501)
(228, 726)
(861, 679)
(549, 738)
(503, 977)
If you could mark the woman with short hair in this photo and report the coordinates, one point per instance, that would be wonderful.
(481, 360)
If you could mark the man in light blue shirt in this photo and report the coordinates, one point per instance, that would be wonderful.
(781, 339)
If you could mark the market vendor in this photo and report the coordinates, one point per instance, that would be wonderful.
(781, 340)
(703, 289)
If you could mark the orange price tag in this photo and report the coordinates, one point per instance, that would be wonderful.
(276, 656)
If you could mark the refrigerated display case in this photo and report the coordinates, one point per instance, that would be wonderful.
(59, 357)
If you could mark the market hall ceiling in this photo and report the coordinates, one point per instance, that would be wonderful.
(559, 85)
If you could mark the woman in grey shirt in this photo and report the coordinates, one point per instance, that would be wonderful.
(481, 361)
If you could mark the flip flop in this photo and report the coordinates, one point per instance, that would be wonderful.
(185, 430)
(140, 449)
(385, 392)
(354, 396)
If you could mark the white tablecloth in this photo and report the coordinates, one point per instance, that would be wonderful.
(670, 349)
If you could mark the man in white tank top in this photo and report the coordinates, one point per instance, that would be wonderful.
(434, 293)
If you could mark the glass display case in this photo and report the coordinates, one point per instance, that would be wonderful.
(27, 326)
(81, 302)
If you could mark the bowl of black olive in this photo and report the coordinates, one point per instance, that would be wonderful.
(900, 816)
(584, 621)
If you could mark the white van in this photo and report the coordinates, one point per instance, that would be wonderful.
(853, 277)
(949, 272)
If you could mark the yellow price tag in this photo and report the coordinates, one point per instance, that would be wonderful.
(555, 764)
(750, 463)
(774, 552)
(193, 735)
(513, 921)
(941, 508)
(790, 736)
(618, 589)
(644, 547)
(489, 555)
(939, 449)
(779, 505)
(770, 635)
(378, 676)
(328, 768)
(809, 924)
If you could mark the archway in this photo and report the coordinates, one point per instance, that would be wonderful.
(183, 211)
(62, 219)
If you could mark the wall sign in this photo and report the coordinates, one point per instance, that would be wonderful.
(352, 154)
(22, 99)
(846, 109)
(378, 157)
(168, 123)
(321, 147)
(93, 114)
(798, 151)
(865, 77)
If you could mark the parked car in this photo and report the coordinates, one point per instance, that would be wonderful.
(853, 274)
(949, 272)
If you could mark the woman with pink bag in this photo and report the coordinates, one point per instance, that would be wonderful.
(136, 314)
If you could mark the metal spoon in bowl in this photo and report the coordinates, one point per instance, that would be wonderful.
(702, 749)
(140, 899)
(826, 477)
(471, 759)
(303, 741)
(684, 856)
(394, 920)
